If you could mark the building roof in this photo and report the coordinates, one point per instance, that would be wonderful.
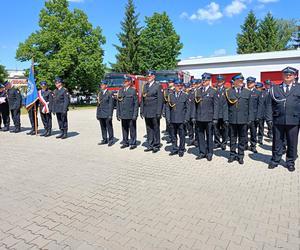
(242, 58)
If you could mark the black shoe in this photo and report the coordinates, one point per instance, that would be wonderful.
(247, 147)
(155, 150)
(110, 143)
(132, 147)
(60, 136)
(168, 141)
(272, 165)
(65, 136)
(291, 168)
(231, 159)
(5, 129)
(223, 147)
(17, 130)
(13, 130)
(103, 142)
(201, 156)
(260, 143)
(253, 149)
(48, 133)
(209, 157)
(45, 133)
(241, 161)
(173, 153)
(147, 149)
(181, 154)
(31, 132)
(124, 146)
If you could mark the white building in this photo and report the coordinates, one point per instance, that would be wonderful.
(17, 77)
(262, 66)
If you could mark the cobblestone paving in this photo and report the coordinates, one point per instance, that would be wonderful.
(74, 194)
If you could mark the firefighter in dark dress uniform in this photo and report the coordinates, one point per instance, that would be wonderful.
(61, 101)
(15, 103)
(221, 127)
(4, 108)
(285, 110)
(205, 115)
(45, 105)
(127, 112)
(166, 93)
(240, 114)
(177, 113)
(151, 110)
(255, 102)
(105, 108)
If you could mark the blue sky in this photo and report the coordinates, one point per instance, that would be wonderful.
(206, 28)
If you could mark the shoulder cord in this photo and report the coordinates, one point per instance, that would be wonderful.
(274, 98)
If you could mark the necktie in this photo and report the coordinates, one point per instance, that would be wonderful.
(287, 89)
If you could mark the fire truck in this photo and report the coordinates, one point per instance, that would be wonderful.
(163, 76)
(115, 82)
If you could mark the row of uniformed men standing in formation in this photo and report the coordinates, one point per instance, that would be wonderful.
(56, 102)
(212, 113)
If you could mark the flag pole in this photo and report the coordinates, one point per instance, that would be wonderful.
(34, 107)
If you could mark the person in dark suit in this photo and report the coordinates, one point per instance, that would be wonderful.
(45, 105)
(221, 127)
(127, 112)
(240, 114)
(205, 114)
(190, 125)
(285, 110)
(166, 93)
(4, 108)
(60, 107)
(32, 114)
(255, 103)
(105, 109)
(151, 110)
(177, 114)
(15, 103)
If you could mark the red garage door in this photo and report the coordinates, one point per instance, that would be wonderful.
(274, 76)
(227, 76)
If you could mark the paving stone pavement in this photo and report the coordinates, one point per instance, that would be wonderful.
(74, 194)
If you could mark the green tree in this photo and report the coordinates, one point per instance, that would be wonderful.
(247, 40)
(286, 30)
(268, 33)
(3, 73)
(66, 45)
(127, 57)
(159, 44)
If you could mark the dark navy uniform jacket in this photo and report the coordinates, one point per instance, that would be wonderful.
(152, 100)
(4, 106)
(191, 96)
(61, 101)
(285, 108)
(222, 104)
(14, 98)
(177, 109)
(47, 95)
(205, 105)
(265, 99)
(105, 105)
(239, 109)
(127, 104)
(255, 102)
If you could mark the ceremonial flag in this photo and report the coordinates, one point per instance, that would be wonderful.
(32, 93)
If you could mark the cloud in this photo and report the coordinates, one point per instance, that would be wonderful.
(219, 52)
(3, 47)
(236, 7)
(210, 13)
(268, 1)
(184, 15)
